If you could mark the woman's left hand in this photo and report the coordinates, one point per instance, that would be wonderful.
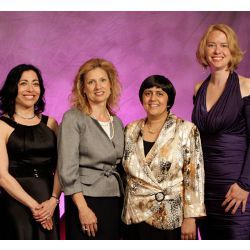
(234, 198)
(45, 210)
(47, 224)
(188, 229)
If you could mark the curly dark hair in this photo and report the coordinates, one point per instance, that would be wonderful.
(9, 90)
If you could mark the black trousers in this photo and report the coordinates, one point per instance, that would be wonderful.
(143, 231)
(108, 213)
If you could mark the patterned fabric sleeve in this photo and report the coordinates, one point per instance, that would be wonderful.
(244, 180)
(193, 173)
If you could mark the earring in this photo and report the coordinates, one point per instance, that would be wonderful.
(35, 107)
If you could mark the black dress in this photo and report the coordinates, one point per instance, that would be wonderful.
(32, 154)
(225, 137)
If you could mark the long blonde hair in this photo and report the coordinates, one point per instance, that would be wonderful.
(79, 100)
(233, 44)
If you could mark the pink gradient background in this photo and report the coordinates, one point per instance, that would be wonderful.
(138, 43)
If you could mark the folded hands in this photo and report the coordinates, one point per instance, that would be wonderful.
(43, 213)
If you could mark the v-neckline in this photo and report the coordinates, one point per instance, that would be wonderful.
(217, 101)
(103, 131)
(146, 157)
(153, 149)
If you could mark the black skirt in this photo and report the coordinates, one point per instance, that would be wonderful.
(18, 222)
(108, 213)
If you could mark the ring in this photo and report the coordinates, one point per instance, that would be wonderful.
(84, 228)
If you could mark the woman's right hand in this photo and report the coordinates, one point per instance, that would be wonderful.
(45, 210)
(88, 221)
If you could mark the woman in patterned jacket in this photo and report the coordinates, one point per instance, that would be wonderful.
(164, 165)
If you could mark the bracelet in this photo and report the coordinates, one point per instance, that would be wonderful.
(57, 200)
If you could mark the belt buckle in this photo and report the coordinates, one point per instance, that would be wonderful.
(107, 173)
(159, 196)
(35, 173)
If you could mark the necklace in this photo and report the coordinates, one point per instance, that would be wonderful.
(156, 130)
(151, 131)
(111, 123)
(24, 117)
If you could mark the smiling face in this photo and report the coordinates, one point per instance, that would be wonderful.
(155, 101)
(28, 90)
(217, 51)
(97, 86)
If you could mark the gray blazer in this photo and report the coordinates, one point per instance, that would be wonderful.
(87, 158)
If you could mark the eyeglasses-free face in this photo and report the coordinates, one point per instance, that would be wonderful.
(218, 54)
(28, 89)
(97, 86)
(155, 101)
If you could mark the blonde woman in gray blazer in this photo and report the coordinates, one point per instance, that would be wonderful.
(90, 148)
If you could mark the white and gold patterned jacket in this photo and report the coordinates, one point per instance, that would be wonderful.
(168, 184)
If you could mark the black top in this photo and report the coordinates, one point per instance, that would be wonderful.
(147, 146)
(31, 149)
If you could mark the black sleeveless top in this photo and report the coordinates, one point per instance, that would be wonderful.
(32, 149)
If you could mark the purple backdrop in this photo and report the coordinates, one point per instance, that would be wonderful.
(138, 43)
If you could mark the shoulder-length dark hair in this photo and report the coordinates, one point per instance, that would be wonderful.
(162, 82)
(8, 92)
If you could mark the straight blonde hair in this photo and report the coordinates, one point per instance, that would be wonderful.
(236, 52)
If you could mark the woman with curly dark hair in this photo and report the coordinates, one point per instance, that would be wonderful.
(28, 157)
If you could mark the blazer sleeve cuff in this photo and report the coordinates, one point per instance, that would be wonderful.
(76, 188)
(195, 210)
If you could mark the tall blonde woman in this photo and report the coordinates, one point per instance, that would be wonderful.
(222, 114)
(90, 149)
